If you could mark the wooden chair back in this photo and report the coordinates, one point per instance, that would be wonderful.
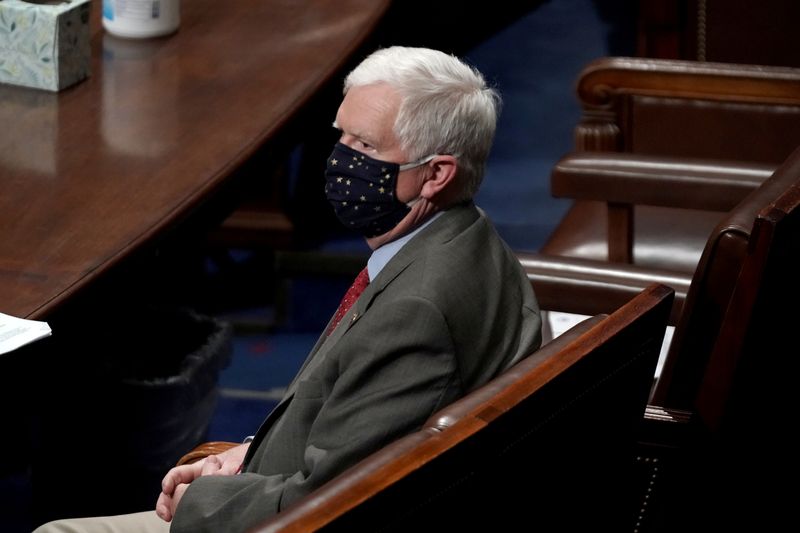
(753, 363)
(689, 108)
(550, 440)
(736, 277)
(719, 461)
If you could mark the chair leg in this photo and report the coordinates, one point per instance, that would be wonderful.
(620, 233)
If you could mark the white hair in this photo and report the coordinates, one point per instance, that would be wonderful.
(446, 107)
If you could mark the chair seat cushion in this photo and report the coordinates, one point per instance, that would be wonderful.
(664, 238)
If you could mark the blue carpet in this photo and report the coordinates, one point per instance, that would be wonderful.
(261, 367)
(236, 418)
(550, 46)
(266, 361)
(263, 363)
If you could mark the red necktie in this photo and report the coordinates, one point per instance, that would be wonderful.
(352, 294)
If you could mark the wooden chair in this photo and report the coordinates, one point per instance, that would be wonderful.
(703, 299)
(724, 397)
(742, 444)
(540, 443)
(663, 150)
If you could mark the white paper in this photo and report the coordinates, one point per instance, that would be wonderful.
(561, 322)
(16, 332)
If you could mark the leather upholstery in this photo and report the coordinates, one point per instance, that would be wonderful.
(721, 419)
(675, 203)
(725, 468)
(663, 238)
(708, 302)
(716, 129)
(593, 286)
(588, 287)
(683, 111)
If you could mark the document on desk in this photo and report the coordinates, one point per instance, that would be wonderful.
(16, 332)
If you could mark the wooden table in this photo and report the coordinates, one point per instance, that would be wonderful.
(90, 174)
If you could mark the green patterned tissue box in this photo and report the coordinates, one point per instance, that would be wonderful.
(44, 43)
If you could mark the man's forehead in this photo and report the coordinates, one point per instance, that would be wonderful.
(369, 112)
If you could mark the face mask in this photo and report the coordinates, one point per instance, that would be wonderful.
(362, 190)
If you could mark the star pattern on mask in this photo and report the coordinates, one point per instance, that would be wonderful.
(348, 182)
(361, 189)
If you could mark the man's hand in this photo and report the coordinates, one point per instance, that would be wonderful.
(177, 479)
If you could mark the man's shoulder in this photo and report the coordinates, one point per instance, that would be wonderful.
(453, 222)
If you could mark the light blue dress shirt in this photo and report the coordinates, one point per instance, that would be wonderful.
(384, 254)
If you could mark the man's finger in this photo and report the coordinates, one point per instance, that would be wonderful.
(176, 500)
(210, 466)
(163, 507)
(177, 475)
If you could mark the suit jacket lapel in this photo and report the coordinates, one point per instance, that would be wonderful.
(450, 224)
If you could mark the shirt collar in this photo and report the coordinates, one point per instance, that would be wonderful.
(384, 254)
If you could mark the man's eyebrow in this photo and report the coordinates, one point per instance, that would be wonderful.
(366, 137)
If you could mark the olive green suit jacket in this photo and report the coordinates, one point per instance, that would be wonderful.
(448, 312)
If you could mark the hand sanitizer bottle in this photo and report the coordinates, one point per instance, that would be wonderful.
(141, 19)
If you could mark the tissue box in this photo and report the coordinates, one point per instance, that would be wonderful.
(44, 43)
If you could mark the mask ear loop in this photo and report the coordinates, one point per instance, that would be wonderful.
(418, 162)
(414, 164)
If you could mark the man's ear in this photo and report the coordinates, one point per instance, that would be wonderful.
(441, 177)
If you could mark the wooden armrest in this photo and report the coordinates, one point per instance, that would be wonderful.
(588, 287)
(201, 451)
(604, 77)
(625, 178)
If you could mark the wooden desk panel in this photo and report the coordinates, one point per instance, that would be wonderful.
(90, 174)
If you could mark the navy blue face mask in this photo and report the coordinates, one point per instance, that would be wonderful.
(362, 190)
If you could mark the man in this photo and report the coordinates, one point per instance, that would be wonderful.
(446, 309)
